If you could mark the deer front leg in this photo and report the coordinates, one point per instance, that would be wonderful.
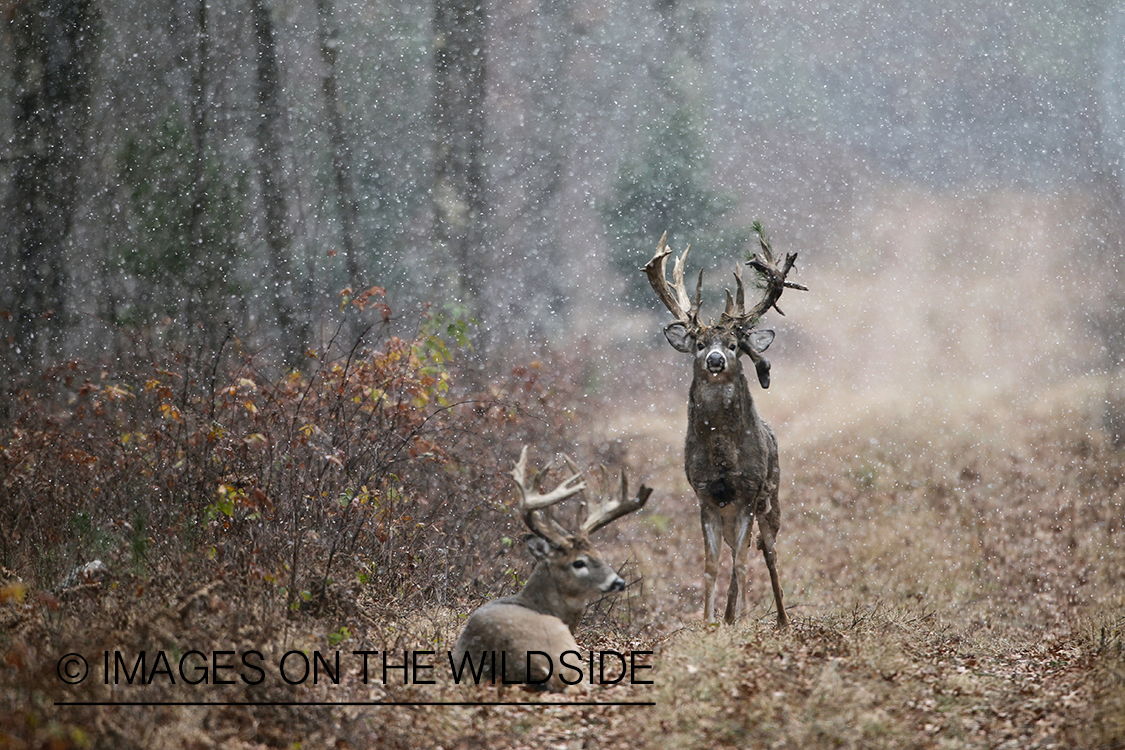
(766, 536)
(712, 538)
(739, 541)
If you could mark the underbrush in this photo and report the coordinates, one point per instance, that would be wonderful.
(373, 462)
(179, 500)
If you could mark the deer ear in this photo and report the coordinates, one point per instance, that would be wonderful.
(753, 343)
(758, 339)
(678, 336)
(539, 547)
(762, 366)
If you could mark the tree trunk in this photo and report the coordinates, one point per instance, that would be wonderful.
(199, 119)
(53, 45)
(341, 153)
(271, 177)
(459, 201)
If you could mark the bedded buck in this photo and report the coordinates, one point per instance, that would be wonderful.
(568, 574)
(730, 454)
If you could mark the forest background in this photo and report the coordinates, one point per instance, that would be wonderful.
(287, 284)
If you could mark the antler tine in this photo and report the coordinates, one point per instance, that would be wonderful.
(698, 291)
(674, 295)
(531, 500)
(736, 306)
(610, 508)
(741, 289)
(681, 289)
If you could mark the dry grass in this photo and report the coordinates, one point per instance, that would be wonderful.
(951, 552)
(955, 576)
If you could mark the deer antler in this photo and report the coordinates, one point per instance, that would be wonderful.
(674, 296)
(610, 508)
(773, 277)
(531, 500)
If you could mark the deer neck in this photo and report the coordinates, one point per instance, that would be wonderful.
(542, 595)
(720, 405)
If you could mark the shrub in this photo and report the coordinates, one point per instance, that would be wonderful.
(373, 468)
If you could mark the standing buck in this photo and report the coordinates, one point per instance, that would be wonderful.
(730, 454)
(568, 574)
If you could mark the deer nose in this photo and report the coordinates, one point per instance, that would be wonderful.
(618, 584)
(716, 362)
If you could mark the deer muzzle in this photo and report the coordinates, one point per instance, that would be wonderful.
(616, 584)
(716, 362)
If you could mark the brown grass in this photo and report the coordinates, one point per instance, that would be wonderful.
(951, 545)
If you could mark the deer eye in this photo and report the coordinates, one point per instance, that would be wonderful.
(578, 564)
(731, 346)
(700, 346)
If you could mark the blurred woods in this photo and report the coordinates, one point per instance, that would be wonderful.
(178, 171)
(188, 395)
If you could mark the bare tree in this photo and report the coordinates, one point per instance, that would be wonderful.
(338, 140)
(199, 305)
(270, 157)
(459, 203)
(53, 49)
(530, 185)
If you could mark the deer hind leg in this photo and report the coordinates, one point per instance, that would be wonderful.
(712, 538)
(767, 526)
(739, 541)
